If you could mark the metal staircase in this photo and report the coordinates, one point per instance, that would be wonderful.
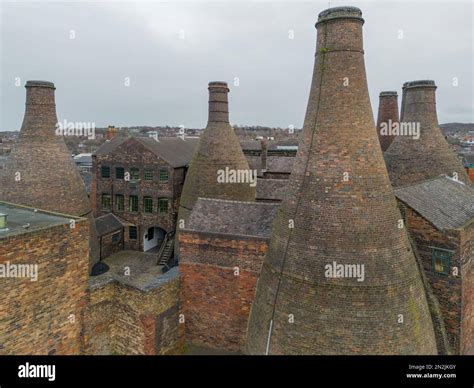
(166, 250)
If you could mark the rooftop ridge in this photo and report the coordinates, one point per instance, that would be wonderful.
(232, 201)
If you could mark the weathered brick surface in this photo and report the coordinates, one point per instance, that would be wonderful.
(218, 149)
(219, 278)
(49, 178)
(388, 110)
(108, 246)
(132, 153)
(452, 292)
(123, 320)
(467, 313)
(350, 221)
(470, 172)
(411, 160)
(44, 317)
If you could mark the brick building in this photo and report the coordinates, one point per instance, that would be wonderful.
(439, 214)
(139, 180)
(42, 313)
(340, 209)
(469, 166)
(133, 308)
(222, 250)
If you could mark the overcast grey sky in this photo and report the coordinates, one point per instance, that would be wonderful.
(171, 50)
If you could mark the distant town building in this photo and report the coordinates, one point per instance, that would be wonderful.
(469, 165)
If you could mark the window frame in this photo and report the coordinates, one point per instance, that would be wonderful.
(102, 197)
(164, 170)
(163, 200)
(130, 203)
(134, 170)
(145, 199)
(446, 257)
(116, 238)
(117, 202)
(123, 173)
(148, 174)
(102, 169)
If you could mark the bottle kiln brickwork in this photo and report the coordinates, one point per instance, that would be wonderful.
(387, 114)
(218, 149)
(343, 210)
(410, 160)
(41, 172)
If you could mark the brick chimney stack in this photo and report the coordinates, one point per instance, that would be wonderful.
(111, 132)
(218, 102)
(40, 172)
(340, 211)
(40, 112)
(388, 113)
(412, 158)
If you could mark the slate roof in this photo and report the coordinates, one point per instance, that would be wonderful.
(275, 164)
(280, 163)
(272, 189)
(251, 145)
(446, 203)
(255, 162)
(233, 217)
(174, 150)
(108, 223)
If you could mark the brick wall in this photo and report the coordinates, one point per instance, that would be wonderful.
(470, 173)
(219, 279)
(44, 316)
(132, 153)
(467, 326)
(107, 244)
(120, 319)
(446, 288)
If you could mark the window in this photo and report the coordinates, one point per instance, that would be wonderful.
(132, 232)
(116, 238)
(148, 174)
(441, 260)
(119, 203)
(119, 172)
(164, 175)
(106, 201)
(148, 204)
(163, 205)
(134, 174)
(133, 203)
(105, 171)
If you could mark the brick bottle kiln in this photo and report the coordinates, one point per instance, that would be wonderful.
(340, 209)
(41, 172)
